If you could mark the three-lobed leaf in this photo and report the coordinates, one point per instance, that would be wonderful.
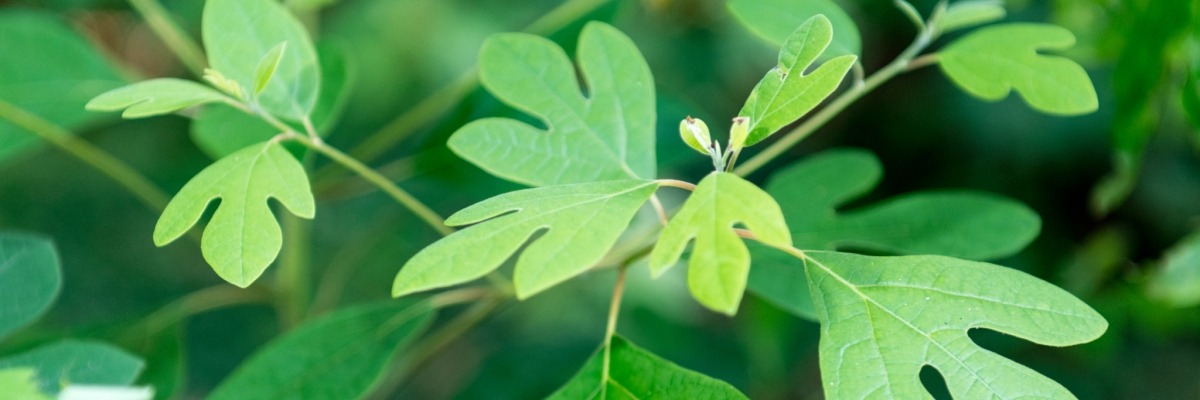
(961, 224)
(239, 33)
(720, 262)
(243, 237)
(607, 135)
(634, 373)
(993, 61)
(155, 97)
(73, 362)
(775, 20)
(581, 223)
(339, 356)
(786, 93)
(884, 318)
(49, 70)
(29, 279)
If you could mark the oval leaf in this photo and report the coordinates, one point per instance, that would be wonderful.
(991, 62)
(29, 279)
(719, 261)
(243, 237)
(582, 222)
(339, 356)
(607, 136)
(634, 373)
(775, 20)
(155, 97)
(72, 362)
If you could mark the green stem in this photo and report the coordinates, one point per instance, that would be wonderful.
(896, 67)
(102, 161)
(294, 276)
(198, 302)
(387, 186)
(614, 310)
(180, 43)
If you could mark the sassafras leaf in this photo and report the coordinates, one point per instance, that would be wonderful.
(635, 373)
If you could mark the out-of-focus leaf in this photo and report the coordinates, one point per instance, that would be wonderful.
(239, 33)
(993, 61)
(1177, 280)
(957, 224)
(339, 356)
(21, 384)
(582, 222)
(221, 130)
(606, 136)
(155, 97)
(970, 13)
(106, 392)
(50, 70)
(884, 318)
(635, 373)
(786, 93)
(719, 261)
(72, 362)
(775, 20)
(29, 279)
(243, 237)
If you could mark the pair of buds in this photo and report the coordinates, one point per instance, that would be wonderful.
(695, 133)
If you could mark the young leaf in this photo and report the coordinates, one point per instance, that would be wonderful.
(267, 66)
(635, 373)
(1177, 280)
(343, 355)
(991, 62)
(775, 20)
(719, 260)
(155, 97)
(29, 279)
(957, 224)
(238, 34)
(607, 136)
(71, 362)
(970, 13)
(582, 221)
(21, 384)
(243, 237)
(51, 71)
(884, 318)
(786, 93)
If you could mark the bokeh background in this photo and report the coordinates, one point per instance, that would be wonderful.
(928, 134)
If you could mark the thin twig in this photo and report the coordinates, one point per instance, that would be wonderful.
(177, 41)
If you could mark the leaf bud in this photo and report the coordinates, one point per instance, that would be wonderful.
(694, 132)
(738, 133)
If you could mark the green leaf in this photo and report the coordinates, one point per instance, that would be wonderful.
(581, 222)
(21, 384)
(635, 373)
(786, 93)
(221, 130)
(238, 34)
(775, 20)
(72, 362)
(243, 237)
(51, 71)
(1177, 279)
(29, 279)
(991, 62)
(884, 318)
(719, 260)
(607, 136)
(267, 66)
(971, 13)
(343, 355)
(155, 97)
(951, 223)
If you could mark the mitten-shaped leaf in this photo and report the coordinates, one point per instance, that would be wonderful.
(582, 221)
(991, 62)
(155, 97)
(634, 373)
(774, 20)
(29, 279)
(786, 93)
(243, 237)
(884, 318)
(239, 33)
(719, 261)
(606, 136)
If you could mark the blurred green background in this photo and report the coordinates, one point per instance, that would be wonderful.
(1142, 56)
